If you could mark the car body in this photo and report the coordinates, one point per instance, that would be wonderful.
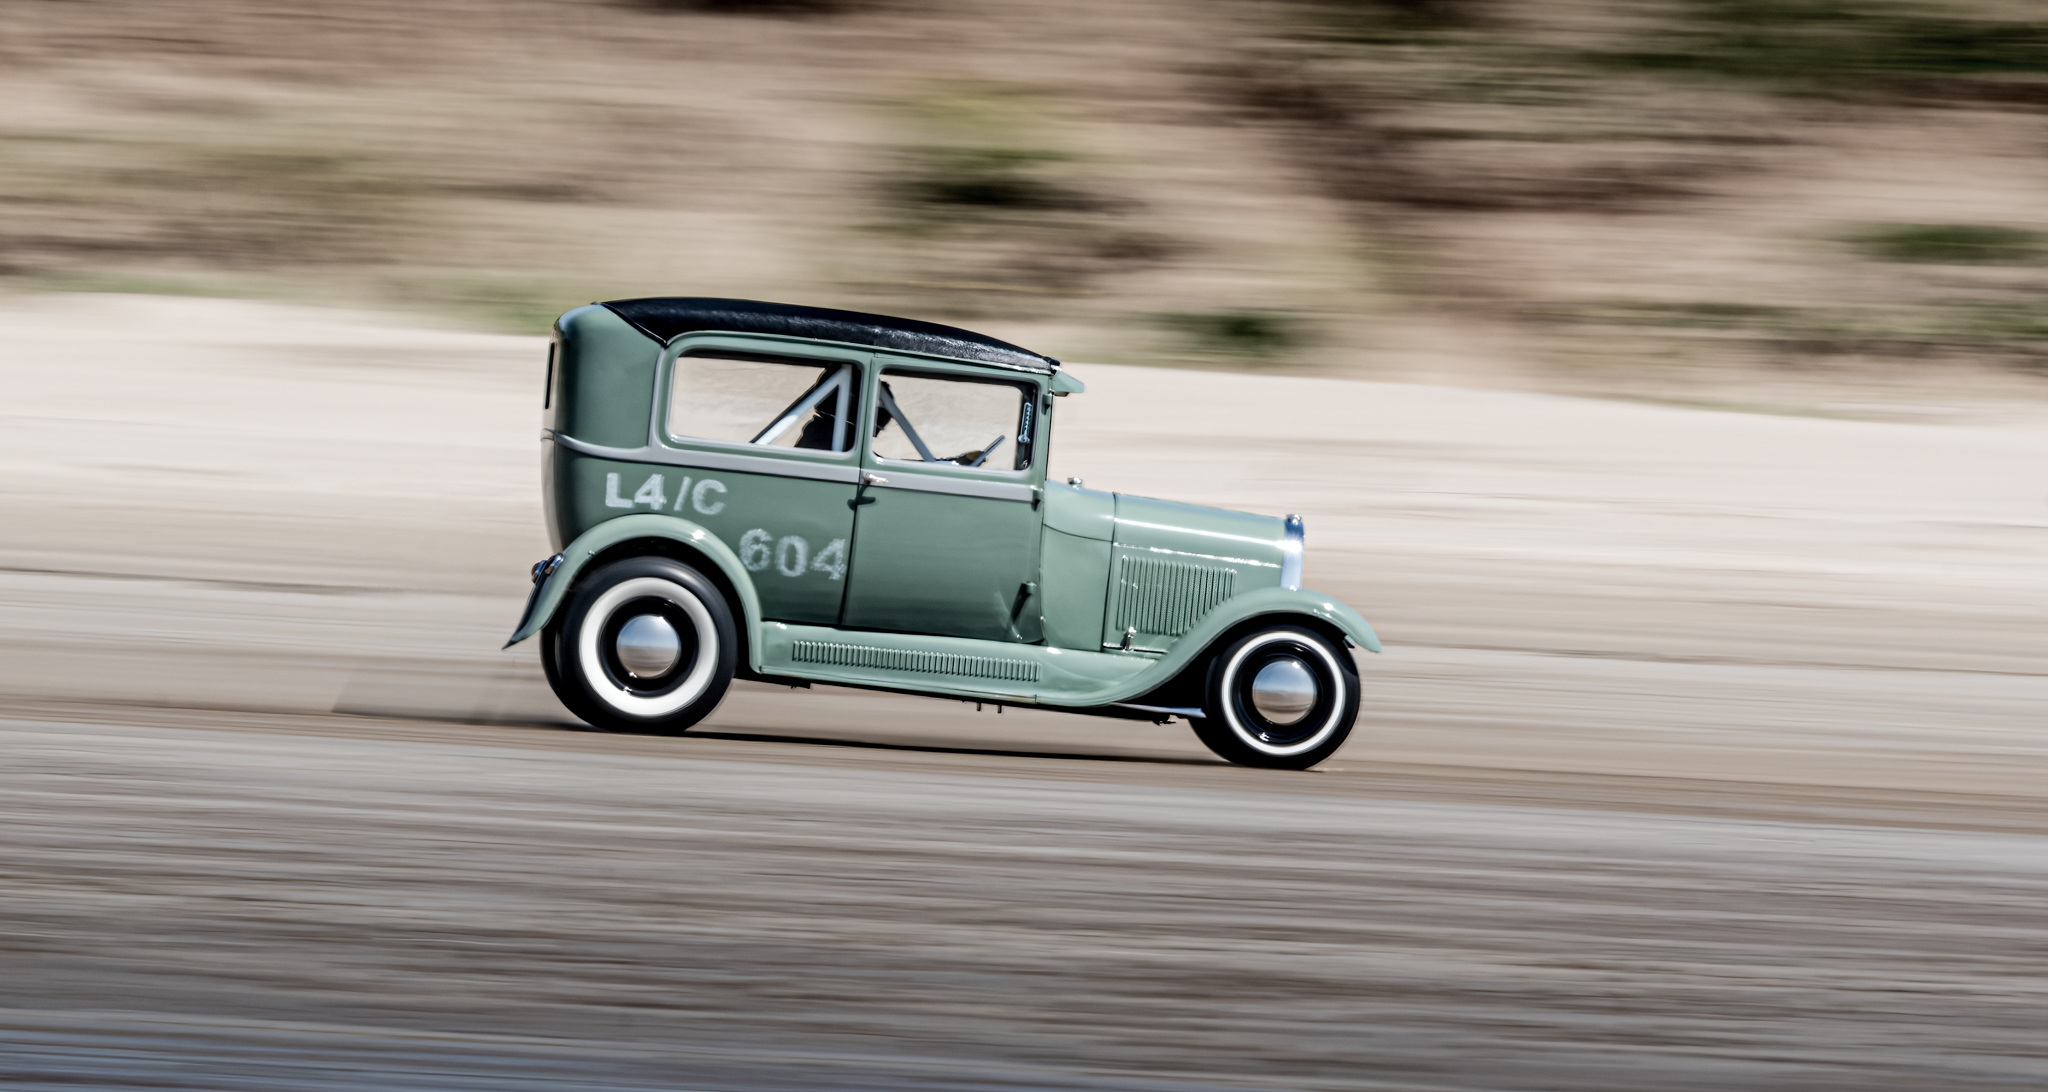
(803, 495)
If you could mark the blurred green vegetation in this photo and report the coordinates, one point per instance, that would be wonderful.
(2013, 332)
(1945, 242)
(509, 305)
(1818, 43)
(979, 150)
(982, 178)
(2021, 324)
(1240, 335)
(758, 7)
(1710, 315)
(985, 211)
(1391, 21)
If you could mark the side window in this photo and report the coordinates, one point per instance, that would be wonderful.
(767, 402)
(954, 419)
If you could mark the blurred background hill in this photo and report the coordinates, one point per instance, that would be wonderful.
(1726, 201)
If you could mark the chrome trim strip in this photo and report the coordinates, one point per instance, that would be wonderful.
(1291, 545)
(959, 487)
(711, 460)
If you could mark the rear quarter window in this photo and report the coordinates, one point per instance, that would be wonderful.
(802, 404)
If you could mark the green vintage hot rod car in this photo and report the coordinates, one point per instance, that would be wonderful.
(802, 495)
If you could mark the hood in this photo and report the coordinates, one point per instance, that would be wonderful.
(1173, 563)
(1239, 540)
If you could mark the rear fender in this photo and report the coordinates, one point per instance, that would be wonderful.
(549, 592)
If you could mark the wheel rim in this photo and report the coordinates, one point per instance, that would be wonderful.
(1283, 693)
(647, 647)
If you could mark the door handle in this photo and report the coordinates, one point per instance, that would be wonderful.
(860, 492)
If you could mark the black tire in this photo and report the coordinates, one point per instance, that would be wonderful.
(550, 639)
(1239, 731)
(582, 652)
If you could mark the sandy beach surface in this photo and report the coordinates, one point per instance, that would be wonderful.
(1707, 751)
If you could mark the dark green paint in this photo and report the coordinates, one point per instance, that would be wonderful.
(1029, 583)
(1073, 574)
(941, 563)
(1087, 513)
(937, 563)
(576, 555)
(730, 505)
(604, 378)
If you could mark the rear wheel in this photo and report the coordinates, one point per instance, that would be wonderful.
(1281, 697)
(643, 645)
(571, 698)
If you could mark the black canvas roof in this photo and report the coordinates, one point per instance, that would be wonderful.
(666, 318)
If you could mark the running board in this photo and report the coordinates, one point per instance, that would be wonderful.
(950, 666)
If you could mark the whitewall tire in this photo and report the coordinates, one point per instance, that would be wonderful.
(646, 644)
(1281, 696)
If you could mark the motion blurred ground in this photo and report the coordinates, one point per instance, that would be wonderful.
(236, 505)
(1706, 752)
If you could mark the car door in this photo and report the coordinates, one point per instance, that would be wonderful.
(947, 521)
(763, 441)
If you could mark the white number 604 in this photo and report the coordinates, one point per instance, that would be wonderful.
(791, 555)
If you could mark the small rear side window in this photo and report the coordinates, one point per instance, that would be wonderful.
(803, 404)
(547, 385)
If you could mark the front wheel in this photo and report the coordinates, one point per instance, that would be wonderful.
(1282, 697)
(646, 644)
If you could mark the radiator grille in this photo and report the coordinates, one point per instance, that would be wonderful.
(837, 654)
(1168, 597)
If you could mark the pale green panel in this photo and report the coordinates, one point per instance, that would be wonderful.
(547, 596)
(1089, 513)
(554, 469)
(793, 535)
(1163, 594)
(1142, 522)
(946, 564)
(1000, 670)
(948, 666)
(604, 379)
(1073, 574)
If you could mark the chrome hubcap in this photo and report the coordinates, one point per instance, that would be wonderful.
(1284, 691)
(648, 646)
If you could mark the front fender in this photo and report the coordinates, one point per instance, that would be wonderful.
(548, 594)
(1266, 601)
(1275, 603)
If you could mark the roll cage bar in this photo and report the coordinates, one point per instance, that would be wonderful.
(840, 384)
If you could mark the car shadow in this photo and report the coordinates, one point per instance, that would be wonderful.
(941, 749)
(565, 724)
